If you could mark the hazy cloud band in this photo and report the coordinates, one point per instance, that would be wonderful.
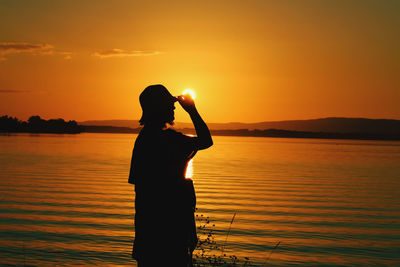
(13, 48)
(5, 91)
(7, 48)
(125, 53)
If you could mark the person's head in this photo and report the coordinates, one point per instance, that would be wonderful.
(157, 105)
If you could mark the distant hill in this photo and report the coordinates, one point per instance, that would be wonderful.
(328, 125)
(114, 123)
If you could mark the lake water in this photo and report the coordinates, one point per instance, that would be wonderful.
(65, 200)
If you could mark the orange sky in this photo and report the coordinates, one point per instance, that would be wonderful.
(247, 61)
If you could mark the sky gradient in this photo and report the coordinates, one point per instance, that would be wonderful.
(247, 61)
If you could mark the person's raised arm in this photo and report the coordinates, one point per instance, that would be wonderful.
(203, 139)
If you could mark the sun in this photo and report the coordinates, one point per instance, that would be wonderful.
(190, 92)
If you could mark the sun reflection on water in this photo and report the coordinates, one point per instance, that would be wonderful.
(189, 169)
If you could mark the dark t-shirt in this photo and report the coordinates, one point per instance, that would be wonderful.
(160, 156)
(164, 198)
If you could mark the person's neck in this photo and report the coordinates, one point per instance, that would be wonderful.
(155, 126)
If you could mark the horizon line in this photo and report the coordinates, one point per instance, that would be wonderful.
(229, 122)
(317, 118)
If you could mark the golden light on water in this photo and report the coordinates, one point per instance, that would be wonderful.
(190, 92)
(189, 169)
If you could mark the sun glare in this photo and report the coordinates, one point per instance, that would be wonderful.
(189, 169)
(190, 92)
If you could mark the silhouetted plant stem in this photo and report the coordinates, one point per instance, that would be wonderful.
(23, 249)
(227, 235)
(207, 250)
(277, 244)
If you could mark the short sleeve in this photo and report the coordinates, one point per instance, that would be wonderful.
(185, 144)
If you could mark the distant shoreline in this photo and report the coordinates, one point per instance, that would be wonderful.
(323, 128)
(257, 133)
(351, 129)
(272, 133)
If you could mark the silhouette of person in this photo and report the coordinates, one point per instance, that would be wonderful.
(165, 231)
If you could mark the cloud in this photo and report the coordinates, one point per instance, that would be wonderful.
(6, 91)
(66, 55)
(14, 48)
(125, 53)
(7, 48)
(16, 91)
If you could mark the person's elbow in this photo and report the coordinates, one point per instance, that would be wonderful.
(209, 143)
(206, 144)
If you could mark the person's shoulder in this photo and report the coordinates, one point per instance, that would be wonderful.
(140, 134)
(141, 137)
(172, 133)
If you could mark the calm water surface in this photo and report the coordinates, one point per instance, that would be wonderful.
(65, 200)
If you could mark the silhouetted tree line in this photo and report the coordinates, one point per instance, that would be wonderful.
(35, 124)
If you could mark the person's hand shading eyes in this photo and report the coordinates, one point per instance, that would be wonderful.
(187, 103)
